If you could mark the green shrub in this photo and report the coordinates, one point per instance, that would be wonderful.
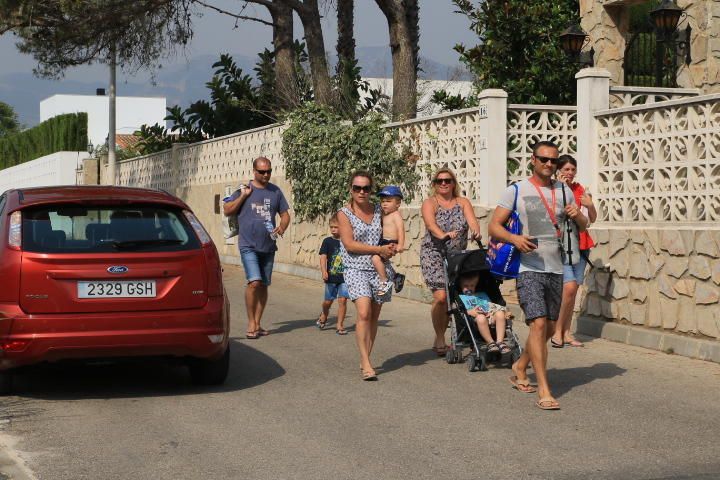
(321, 151)
(64, 133)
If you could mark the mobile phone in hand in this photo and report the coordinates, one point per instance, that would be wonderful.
(534, 241)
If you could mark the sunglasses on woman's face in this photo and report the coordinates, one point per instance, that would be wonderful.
(443, 181)
(361, 188)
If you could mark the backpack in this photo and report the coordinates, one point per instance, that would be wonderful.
(504, 258)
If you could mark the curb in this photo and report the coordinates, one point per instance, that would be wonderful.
(652, 339)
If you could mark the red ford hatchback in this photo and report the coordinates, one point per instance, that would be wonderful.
(101, 272)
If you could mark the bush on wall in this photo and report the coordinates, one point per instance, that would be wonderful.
(64, 133)
(321, 151)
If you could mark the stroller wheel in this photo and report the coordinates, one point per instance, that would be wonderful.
(514, 355)
(450, 356)
(471, 361)
(482, 363)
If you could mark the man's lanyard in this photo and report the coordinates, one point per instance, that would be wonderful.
(550, 211)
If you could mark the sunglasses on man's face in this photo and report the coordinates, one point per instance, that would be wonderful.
(361, 188)
(552, 160)
(443, 181)
(264, 172)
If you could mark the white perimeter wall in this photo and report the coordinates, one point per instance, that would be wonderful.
(132, 112)
(54, 169)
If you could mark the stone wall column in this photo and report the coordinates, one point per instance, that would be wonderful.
(593, 94)
(492, 145)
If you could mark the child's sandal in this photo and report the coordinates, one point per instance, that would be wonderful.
(493, 347)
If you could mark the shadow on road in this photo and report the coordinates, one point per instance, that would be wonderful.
(409, 359)
(285, 327)
(140, 377)
(563, 380)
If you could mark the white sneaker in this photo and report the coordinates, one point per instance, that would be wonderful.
(384, 287)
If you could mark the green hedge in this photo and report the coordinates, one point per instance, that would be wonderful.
(64, 133)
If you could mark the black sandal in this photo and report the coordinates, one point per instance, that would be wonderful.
(504, 349)
(493, 347)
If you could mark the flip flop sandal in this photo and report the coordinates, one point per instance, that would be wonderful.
(320, 325)
(369, 376)
(574, 343)
(555, 344)
(547, 403)
(440, 351)
(252, 335)
(341, 332)
(262, 332)
(522, 385)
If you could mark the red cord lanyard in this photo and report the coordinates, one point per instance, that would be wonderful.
(551, 211)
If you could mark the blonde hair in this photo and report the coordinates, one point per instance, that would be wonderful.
(456, 188)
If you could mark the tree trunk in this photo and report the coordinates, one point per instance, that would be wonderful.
(347, 88)
(310, 18)
(285, 75)
(402, 17)
(346, 37)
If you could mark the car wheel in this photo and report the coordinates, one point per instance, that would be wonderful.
(6, 383)
(210, 372)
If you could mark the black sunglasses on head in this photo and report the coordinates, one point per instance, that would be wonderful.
(361, 188)
(264, 172)
(443, 181)
(552, 160)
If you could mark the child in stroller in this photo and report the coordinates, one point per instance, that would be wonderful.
(488, 341)
(487, 314)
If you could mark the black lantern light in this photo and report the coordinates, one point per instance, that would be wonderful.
(665, 18)
(572, 41)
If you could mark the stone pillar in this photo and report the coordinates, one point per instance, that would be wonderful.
(492, 145)
(593, 94)
(90, 172)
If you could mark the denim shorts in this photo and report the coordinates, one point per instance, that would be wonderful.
(257, 265)
(576, 273)
(335, 290)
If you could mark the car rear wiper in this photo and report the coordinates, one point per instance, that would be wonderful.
(144, 243)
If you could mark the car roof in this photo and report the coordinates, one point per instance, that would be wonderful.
(84, 194)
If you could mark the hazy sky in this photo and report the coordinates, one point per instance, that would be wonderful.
(440, 30)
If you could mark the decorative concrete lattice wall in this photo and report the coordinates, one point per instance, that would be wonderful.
(451, 140)
(631, 96)
(528, 124)
(660, 162)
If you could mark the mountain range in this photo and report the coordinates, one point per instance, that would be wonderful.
(185, 83)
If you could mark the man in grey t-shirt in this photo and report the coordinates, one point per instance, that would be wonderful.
(256, 207)
(544, 206)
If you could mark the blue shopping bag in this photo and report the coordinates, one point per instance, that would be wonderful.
(504, 258)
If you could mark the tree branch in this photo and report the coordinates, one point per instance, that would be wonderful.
(234, 15)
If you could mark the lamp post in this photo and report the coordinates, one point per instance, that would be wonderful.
(665, 19)
(572, 41)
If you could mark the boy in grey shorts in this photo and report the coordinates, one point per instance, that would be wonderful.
(544, 206)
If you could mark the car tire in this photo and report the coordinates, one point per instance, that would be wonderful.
(6, 383)
(210, 372)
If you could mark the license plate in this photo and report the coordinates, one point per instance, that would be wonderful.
(117, 289)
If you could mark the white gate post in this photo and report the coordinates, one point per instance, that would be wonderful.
(593, 94)
(492, 145)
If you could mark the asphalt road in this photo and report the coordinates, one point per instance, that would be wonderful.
(294, 407)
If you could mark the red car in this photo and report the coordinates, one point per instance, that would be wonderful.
(100, 272)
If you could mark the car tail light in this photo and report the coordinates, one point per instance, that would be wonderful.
(14, 346)
(15, 230)
(199, 229)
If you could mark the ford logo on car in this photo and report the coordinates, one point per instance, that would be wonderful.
(117, 269)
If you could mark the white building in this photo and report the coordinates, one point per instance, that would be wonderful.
(131, 113)
(425, 89)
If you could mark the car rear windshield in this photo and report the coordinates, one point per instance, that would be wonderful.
(98, 229)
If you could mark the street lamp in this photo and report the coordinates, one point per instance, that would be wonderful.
(572, 41)
(665, 19)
